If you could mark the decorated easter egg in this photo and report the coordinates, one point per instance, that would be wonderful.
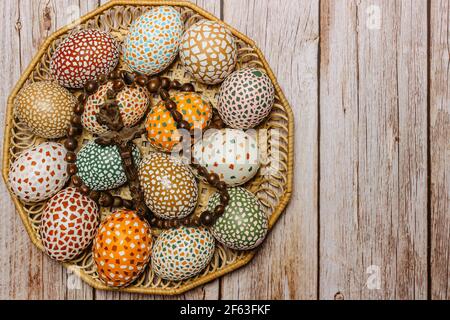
(100, 167)
(208, 52)
(232, 154)
(246, 98)
(243, 226)
(46, 108)
(133, 103)
(68, 225)
(83, 56)
(180, 254)
(122, 248)
(170, 188)
(161, 128)
(154, 40)
(39, 173)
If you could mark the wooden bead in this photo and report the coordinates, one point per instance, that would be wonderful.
(102, 79)
(203, 172)
(222, 186)
(111, 94)
(71, 157)
(128, 204)
(207, 219)
(224, 198)
(219, 210)
(165, 83)
(117, 202)
(128, 77)
(72, 169)
(171, 105)
(78, 109)
(84, 189)
(174, 223)
(91, 86)
(160, 224)
(166, 224)
(195, 221)
(213, 179)
(187, 87)
(94, 195)
(164, 94)
(175, 84)
(142, 80)
(177, 116)
(118, 85)
(154, 84)
(116, 74)
(153, 221)
(76, 180)
(106, 199)
(184, 125)
(70, 144)
(76, 120)
(73, 131)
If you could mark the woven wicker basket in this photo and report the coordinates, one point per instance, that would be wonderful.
(273, 188)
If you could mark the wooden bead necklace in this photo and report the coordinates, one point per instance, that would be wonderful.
(122, 137)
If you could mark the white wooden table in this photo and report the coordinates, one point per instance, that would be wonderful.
(370, 216)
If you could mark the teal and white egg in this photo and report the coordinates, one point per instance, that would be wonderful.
(154, 40)
(180, 254)
(100, 167)
(232, 154)
(243, 226)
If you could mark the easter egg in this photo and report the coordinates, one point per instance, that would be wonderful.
(208, 52)
(154, 40)
(83, 56)
(246, 98)
(180, 254)
(161, 128)
(122, 248)
(68, 225)
(46, 108)
(100, 167)
(170, 188)
(133, 103)
(232, 154)
(243, 226)
(39, 173)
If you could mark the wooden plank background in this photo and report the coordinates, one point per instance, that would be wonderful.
(368, 81)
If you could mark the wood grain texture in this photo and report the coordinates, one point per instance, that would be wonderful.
(440, 148)
(373, 190)
(286, 265)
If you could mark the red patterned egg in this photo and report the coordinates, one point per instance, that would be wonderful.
(69, 224)
(83, 56)
(39, 173)
(122, 248)
(133, 103)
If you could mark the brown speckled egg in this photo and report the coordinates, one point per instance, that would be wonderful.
(39, 173)
(133, 103)
(208, 51)
(83, 56)
(68, 224)
(170, 188)
(46, 108)
(161, 128)
(122, 248)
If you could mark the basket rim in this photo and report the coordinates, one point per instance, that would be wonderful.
(284, 200)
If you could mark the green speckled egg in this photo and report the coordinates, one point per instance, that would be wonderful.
(244, 225)
(100, 167)
(180, 254)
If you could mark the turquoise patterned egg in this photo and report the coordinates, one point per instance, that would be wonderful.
(180, 254)
(154, 40)
(100, 167)
(244, 225)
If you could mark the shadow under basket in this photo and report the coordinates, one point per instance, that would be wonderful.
(272, 185)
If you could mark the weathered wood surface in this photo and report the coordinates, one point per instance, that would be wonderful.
(368, 82)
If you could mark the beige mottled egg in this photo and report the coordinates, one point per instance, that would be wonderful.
(133, 103)
(68, 224)
(46, 108)
(39, 173)
(208, 52)
(170, 188)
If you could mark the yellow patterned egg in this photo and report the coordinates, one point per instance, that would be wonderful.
(46, 108)
(208, 52)
(161, 128)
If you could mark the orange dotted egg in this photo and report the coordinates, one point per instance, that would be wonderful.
(161, 128)
(122, 248)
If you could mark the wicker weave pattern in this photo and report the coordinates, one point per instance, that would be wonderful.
(273, 190)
